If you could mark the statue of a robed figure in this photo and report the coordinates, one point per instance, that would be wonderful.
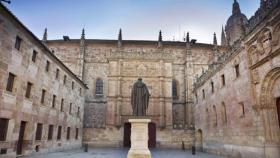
(139, 98)
(139, 124)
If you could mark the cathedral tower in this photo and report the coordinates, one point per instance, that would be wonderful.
(236, 24)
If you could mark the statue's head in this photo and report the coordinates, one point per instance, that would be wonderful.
(139, 79)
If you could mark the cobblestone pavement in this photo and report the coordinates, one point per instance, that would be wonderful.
(122, 153)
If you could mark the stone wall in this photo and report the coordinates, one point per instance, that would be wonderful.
(226, 116)
(240, 118)
(16, 107)
(118, 68)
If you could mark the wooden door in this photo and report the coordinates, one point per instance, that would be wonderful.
(20, 138)
(152, 135)
(278, 109)
(126, 135)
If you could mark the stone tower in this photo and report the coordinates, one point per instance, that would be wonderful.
(236, 24)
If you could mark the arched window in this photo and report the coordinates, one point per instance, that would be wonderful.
(99, 87)
(207, 118)
(174, 89)
(215, 116)
(241, 110)
(224, 113)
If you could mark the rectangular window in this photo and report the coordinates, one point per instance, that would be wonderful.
(223, 80)
(203, 94)
(78, 113)
(50, 133)
(3, 128)
(237, 73)
(61, 105)
(241, 110)
(73, 83)
(34, 56)
(3, 151)
(43, 96)
(39, 131)
(212, 87)
(28, 90)
(10, 83)
(77, 133)
(18, 43)
(53, 101)
(64, 79)
(80, 92)
(59, 133)
(68, 133)
(70, 108)
(47, 66)
(57, 74)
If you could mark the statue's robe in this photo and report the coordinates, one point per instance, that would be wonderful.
(139, 99)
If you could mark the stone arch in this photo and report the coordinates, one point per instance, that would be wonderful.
(268, 107)
(266, 98)
(215, 119)
(224, 113)
(199, 140)
(207, 118)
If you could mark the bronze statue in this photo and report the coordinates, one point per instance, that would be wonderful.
(139, 98)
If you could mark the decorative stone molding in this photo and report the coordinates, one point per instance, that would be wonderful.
(141, 55)
(267, 86)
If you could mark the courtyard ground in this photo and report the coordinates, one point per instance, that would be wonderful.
(122, 153)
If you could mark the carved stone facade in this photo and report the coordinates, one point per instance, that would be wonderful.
(119, 67)
(232, 109)
(243, 109)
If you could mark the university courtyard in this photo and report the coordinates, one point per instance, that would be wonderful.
(140, 92)
(122, 153)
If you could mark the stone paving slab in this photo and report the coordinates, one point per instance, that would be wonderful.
(121, 153)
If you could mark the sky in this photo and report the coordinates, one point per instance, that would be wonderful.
(139, 19)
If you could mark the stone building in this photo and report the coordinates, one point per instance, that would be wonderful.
(110, 67)
(224, 99)
(237, 107)
(41, 100)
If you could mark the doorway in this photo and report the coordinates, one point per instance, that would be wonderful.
(151, 133)
(21, 138)
(126, 135)
(278, 109)
(199, 140)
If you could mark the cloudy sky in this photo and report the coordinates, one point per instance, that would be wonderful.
(139, 19)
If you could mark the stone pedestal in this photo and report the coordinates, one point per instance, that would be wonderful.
(139, 139)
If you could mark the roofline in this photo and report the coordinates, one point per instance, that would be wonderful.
(47, 50)
(109, 41)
